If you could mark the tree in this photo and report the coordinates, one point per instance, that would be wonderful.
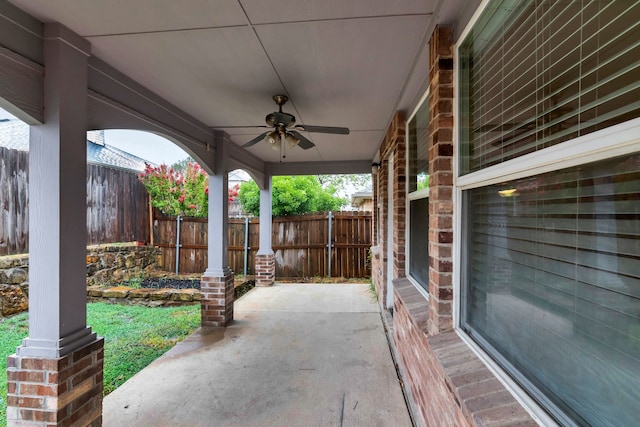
(343, 182)
(177, 193)
(292, 195)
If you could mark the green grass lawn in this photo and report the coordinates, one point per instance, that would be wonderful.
(134, 337)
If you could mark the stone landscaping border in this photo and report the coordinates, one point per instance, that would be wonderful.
(156, 297)
(107, 266)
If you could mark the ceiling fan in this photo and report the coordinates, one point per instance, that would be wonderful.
(285, 129)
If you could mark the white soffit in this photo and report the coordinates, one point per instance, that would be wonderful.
(342, 63)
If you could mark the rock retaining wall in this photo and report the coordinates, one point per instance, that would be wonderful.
(146, 297)
(106, 264)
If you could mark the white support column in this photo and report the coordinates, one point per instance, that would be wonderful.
(216, 285)
(265, 219)
(55, 377)
(218, 238)
(57, 198)
(265, 258)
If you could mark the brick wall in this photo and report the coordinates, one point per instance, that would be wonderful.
(63, 391)
(265, 269)
(441, 180)
(216, 300)
(393, 144)
(447, 384)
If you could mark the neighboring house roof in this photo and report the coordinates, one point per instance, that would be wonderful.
(14, 135)
(360, 197)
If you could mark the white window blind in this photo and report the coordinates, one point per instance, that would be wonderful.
(537, 73)
(552, 286)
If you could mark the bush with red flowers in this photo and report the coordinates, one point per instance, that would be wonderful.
(174, 192)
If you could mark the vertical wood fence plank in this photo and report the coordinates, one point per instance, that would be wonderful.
(116, 207)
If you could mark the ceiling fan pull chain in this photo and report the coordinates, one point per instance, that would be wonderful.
(283, 150)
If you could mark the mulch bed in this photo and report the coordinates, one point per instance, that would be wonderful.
(183, 283)
(169, 283)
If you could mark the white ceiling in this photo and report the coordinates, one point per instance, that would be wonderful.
(342, 63)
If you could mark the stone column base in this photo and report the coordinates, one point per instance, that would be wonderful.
(265, 269)
(66, 391)
(217, 300)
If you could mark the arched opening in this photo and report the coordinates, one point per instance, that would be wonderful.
(117, 213)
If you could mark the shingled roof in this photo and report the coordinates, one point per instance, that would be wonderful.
(14, 135)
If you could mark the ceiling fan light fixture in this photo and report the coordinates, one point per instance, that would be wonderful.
(270, 120)
(291, 139)
(273, 139)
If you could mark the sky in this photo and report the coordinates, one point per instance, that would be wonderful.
(145, 145)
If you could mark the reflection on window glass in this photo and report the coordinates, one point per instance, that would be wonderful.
(418, 144)
(419, 241)
(551, 283)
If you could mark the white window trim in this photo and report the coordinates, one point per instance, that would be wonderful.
(613, 141)
(413, 195)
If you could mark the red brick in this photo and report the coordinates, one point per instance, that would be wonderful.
(38, 390)
(13, 362)
(25, 402)
(35, 415)
(26, 376)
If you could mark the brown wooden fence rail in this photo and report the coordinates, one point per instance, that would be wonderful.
(117, 204)
(300, 243)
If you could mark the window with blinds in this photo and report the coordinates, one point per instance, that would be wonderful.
(536, 73)
(551, 289)
(418, 184)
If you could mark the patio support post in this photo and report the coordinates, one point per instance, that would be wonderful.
(216, 285)
(265, 258)
(55, 377)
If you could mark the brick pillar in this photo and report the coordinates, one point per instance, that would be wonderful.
(265, 269)
(398, 137)
(65, 391)
(440, 180)
(216, 304)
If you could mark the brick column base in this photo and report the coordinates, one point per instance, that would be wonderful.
(217, 300)
(66, 391)
(265, 269)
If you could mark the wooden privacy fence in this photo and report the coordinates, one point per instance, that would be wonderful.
(117, 204)
(301, 244)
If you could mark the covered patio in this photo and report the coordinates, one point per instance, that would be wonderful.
(295, 355)
(202, 74)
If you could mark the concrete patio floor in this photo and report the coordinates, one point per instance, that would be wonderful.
(295, 355)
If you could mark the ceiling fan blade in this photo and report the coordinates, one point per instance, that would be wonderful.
(255, 140)
(304, 143)
(324, 129)
(242, 127)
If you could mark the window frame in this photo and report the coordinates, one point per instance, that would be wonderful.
(614, 141)
(413, 195)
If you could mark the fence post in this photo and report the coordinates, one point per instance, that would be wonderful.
(246, 244)
(151, 242)
(330, 242)
(178, 219)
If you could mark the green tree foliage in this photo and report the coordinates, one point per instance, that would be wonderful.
(292, 195)
(343, 182)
